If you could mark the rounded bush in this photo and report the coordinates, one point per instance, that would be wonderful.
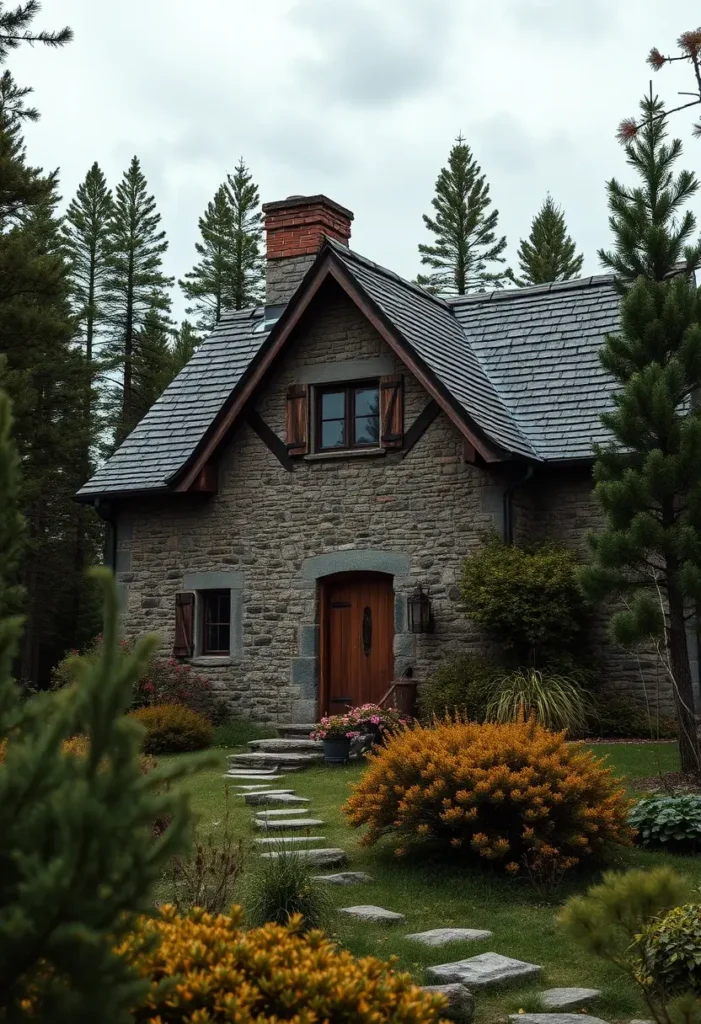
(459, 686)
(670, 821)
(512, 793)
(671, 949)
(173, 729)
(224, 973)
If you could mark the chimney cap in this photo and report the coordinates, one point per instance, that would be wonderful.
(293, 202)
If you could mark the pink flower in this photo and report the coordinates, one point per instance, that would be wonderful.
(375, 719)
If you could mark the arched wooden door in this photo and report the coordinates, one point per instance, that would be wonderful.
(357, 639)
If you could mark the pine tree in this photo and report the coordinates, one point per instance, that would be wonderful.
(15, 29)
(136, 284)
(77, 858)
(184, 346)
(548, 254)
(465, 229)
(11, 526)
(652, 231)
(153, 365)
(229, 274)
(648, 478)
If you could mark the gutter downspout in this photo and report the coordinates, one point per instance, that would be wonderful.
(508, 503)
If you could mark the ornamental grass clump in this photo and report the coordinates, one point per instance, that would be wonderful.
(515, 794)
(216, 971)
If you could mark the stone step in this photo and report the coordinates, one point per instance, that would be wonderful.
(568, 998)
(276, 813)
(442, 936)
(287, 824)
(283, 841)
(288, 798)
(376, 915)
(461, 1003)
(344, 878)
(487, 970)
(330, 858)
(260, 758)
(300, 729)
(554, 1018)
(287, 745)
(261, 789)
(244, 776)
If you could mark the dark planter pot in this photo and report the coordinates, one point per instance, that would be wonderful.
(337, 750)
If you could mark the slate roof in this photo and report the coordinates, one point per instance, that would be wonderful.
(521, 363)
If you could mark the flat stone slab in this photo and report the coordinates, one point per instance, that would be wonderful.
(485, 971)
(244, 776)
(330, 858)
(461, 1002)
(266, 788)
(378, 915)
(283, 799)
(289, 840)
(554, 1018)
(292, 812)
(260, 758)
(568, 998)
(288, 824)
(288, 745)
(344, 878)
(442, 936)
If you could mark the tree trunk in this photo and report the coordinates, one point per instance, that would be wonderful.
(683, 690)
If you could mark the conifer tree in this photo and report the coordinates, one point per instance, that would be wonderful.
(184, 346)
(16, 28)
(653, 233)
(648, 478)
(548, 254)
(229, 274)
(466, 244)
(136, 284)
(153, 365)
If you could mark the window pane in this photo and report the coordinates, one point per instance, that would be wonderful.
(333, 405)
(217, 614)
(367, 430)
(333, 434)
(366, 402)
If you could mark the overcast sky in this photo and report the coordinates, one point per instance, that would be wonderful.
(359, 99)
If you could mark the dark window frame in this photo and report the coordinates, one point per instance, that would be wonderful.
(348, 389)
(207, 596)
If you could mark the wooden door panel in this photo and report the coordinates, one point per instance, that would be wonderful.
(358, 620)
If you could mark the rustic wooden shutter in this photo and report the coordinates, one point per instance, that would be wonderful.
(297, 419)
(392, 411)
(184, 624)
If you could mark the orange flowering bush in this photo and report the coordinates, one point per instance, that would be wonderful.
(222, 973)
(514, 793)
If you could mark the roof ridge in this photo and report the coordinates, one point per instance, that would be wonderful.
(344, 250)
(507, 294)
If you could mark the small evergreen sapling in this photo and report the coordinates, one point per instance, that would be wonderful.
(548, 254)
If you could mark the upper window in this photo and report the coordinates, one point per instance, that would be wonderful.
(348, 417)
(216, 621)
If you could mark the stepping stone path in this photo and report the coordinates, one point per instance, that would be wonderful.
(283, 797)
(568, 998)
(378, 915)
(251, 776)
(486, 971)
(290, 813)
(285, 824)
(554, 1018)
(344, 878)
(267, 788)
(330, 858)
(461, 1002)
(262, 758)
(283, 841)
(442, 936)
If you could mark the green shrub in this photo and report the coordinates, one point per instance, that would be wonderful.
(528, 600)
(555, 702)
(173, 729)
(672, 950)
(283, 887)
(670, 821)
(458, 687)
(618, 715)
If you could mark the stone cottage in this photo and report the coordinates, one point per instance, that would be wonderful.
(325, 462)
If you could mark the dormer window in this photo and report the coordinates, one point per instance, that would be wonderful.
(348, 417)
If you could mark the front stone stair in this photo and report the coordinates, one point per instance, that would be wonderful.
(299, 730)
(286, 745)
(288, 752)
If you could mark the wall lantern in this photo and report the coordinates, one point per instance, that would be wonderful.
(419, 608)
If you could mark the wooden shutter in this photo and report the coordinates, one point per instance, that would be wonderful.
(392, 411)
(184, 624)
(297, 419)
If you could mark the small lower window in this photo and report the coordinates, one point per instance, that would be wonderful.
(216, 621)
(348, 417)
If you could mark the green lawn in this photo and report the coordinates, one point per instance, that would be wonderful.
(433, 894)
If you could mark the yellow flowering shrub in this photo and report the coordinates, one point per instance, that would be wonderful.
(513, 793)
(173, 729)
(224, 974)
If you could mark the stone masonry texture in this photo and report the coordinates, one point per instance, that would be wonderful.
(265, 522)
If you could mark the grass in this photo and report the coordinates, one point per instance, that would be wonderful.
(433, 894)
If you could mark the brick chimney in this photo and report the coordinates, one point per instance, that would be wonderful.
(294, 232)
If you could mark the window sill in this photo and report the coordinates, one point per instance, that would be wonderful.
(345, 453)
(211, 660)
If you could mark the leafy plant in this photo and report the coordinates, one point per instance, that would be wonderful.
(670, 821)
(671, 950)
(361, 720)
(206, 877)
(529, 601)
(555, 702)
(223, 973)
(458, 687)
(283, 889)
(498, 792)
(172, 729)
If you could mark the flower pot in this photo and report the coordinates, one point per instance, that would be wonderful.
(337, 750)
